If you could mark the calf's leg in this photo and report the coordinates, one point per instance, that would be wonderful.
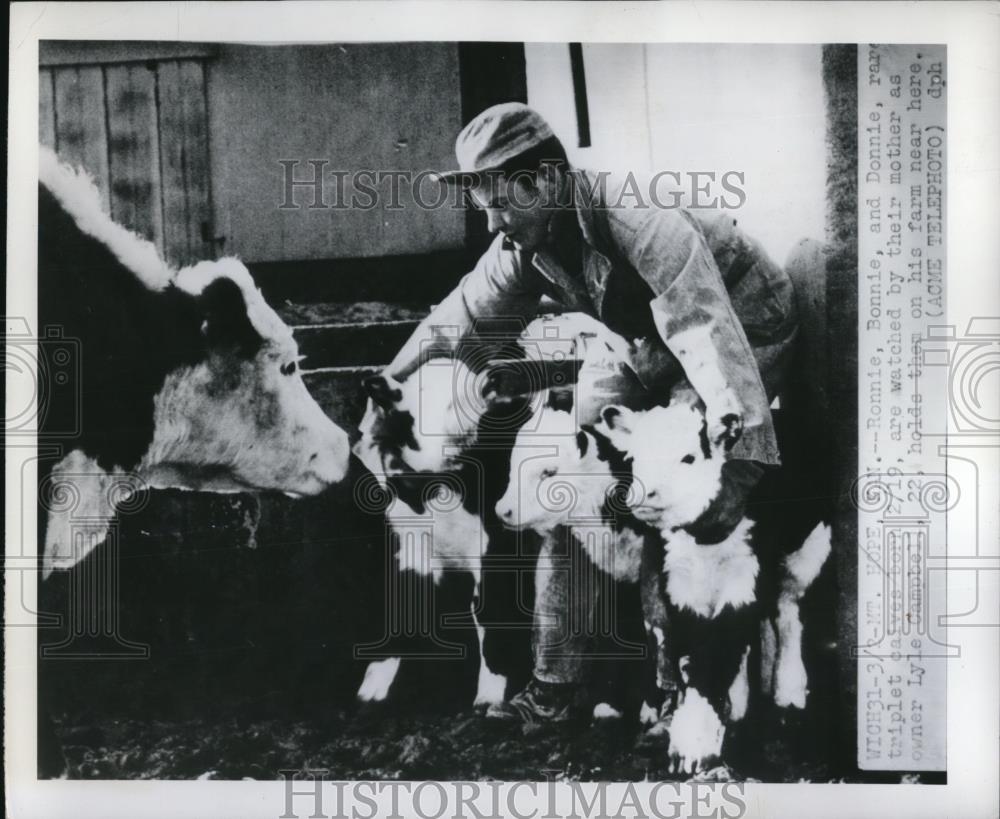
(801, 569)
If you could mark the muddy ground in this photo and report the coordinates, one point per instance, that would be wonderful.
(377, 746)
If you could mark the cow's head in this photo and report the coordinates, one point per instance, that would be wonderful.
(241, 417)
(421, 424)
(558, 473)
(677, 467)
(219, 404)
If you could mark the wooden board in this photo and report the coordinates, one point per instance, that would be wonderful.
(173, 182)
(135, 155)
(46, 110)
(103, 52)
(80, 123)
(198, 172)
(184, 161)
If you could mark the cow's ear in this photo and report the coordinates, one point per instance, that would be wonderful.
(225, 322)
(381, 392)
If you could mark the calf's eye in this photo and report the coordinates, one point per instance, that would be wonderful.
(548, 473)
(687, 459)
(288, 369)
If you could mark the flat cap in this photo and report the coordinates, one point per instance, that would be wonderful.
(494, 137)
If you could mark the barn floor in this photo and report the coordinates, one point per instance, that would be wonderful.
(461, 746)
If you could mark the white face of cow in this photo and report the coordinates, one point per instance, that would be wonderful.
(677, 469)
(422, 423)
(556, 476)
(241, 418)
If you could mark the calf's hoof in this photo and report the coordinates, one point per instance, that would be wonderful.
(696, 734)
(790, 685)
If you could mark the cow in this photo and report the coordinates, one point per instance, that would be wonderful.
(184, 379)
(718, 591)
(188, 379)
(422, 439)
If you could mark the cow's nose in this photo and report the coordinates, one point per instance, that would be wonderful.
(505, 514)
(652, 494)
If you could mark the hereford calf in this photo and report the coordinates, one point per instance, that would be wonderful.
(566, 478)
(717, 591)
(563, 474)
(419, 440)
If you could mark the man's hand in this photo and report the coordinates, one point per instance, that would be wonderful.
(724, 415)
(510, 379)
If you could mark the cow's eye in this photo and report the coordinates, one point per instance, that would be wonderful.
(288, 369)
(687, 459)
(548, 473)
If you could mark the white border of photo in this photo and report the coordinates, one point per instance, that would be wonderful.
(972, 35)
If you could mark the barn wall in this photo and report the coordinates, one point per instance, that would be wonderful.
(392, 106)
(185, 141)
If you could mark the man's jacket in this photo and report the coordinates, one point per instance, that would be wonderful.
(707, 301)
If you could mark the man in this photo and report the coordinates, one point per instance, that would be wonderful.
(707, 309)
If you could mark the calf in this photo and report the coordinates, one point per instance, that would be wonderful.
(568, 478)
(563, 474)
(421, 440)
(717, 588)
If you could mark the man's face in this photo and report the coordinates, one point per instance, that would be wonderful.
(517, 207)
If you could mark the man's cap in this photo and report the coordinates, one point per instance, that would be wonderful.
(493, 138)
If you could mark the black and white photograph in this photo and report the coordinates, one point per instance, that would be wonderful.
(471, 411)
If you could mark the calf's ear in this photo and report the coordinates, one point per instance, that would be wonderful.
(381, 392)
(730, 430)
(616, 426)
(617, 419)
(225, 323)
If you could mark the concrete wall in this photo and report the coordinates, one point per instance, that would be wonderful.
(694, 107)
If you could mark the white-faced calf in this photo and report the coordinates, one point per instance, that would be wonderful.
(563, 474)
(718, 583)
